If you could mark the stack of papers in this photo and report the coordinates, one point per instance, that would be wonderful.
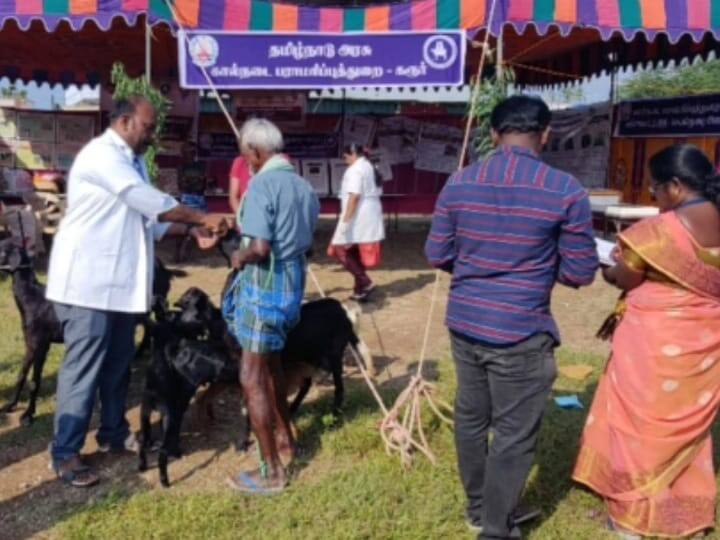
(604, 251)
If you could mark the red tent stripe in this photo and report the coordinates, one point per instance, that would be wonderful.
(424, 15)
(29, 7)
(521, 10)
(135, 5)
(237, 15)
(698, 13)
(608, 12)
(331, 20)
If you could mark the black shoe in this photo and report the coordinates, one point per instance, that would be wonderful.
(522, 514)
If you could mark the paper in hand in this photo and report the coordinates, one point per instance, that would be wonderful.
(604, 251)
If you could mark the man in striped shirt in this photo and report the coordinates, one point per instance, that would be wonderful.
(507, 228)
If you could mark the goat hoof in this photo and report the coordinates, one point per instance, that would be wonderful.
(26, 419)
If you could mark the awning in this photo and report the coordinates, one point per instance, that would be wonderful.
(673, 18)
(545, 41)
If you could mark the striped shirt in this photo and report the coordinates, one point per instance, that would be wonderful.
(508, 228)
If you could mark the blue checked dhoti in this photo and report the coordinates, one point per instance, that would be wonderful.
(263, 303)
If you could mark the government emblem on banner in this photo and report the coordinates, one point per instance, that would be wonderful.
(204, 50)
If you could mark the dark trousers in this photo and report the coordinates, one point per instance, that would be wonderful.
(503, 390)
(349, 257)
(99, 346)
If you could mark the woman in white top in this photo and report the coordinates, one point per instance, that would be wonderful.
(356, 242)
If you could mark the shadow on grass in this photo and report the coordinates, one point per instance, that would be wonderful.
(555, 458)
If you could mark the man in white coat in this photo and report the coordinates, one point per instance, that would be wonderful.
(100, 278)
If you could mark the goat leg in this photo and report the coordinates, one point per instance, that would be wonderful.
(20, 382)
(145, 342)
(145, 432)
(38, 363)
(302, 392)
(172, 422)
(339, 385)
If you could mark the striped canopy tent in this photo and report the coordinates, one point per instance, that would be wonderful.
(546, 41)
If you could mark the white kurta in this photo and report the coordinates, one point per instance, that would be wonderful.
(102, 255)
(367, 225)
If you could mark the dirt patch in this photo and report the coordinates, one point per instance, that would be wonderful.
(392, 325)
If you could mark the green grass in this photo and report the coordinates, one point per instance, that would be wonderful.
(356, 490)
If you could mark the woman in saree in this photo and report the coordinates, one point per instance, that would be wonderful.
(646, 447)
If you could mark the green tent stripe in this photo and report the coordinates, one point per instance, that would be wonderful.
(261, 15)
(448, 14)
(56, 7)
(544, 10)
(630, 13)
(354, 20)
(715, 14)
(160, 9)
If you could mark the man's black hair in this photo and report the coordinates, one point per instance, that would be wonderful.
(125, 106)
(520, 114)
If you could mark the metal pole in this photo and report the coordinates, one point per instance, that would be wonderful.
(148, 49)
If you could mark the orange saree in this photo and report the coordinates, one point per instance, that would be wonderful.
(646, 447)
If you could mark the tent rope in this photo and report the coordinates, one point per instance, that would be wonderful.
(398, 436)
(208, 79)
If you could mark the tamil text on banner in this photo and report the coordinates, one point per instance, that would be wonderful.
(683, 116)
(313, 60)
(579, 143)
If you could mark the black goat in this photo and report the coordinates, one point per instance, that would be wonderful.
(326, 328)
(180, 365)
(40, 325)
(162, 280)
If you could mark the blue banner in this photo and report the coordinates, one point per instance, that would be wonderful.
(313, 61)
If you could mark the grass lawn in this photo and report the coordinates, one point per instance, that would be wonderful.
(344, 486)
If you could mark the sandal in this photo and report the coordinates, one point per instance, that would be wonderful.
(75, 473)
(256, 483)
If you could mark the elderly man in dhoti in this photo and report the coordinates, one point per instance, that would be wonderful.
(277, 218)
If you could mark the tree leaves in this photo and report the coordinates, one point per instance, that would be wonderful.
(126, 86)
(689, 80)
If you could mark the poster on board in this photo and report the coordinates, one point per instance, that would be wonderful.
(36, 127)
(75, 128)
(315, 171)
(398, 136)
(358, 130)
(438, 148)
(337, 170)
(580, 143)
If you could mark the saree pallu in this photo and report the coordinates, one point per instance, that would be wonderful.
(646, 447)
